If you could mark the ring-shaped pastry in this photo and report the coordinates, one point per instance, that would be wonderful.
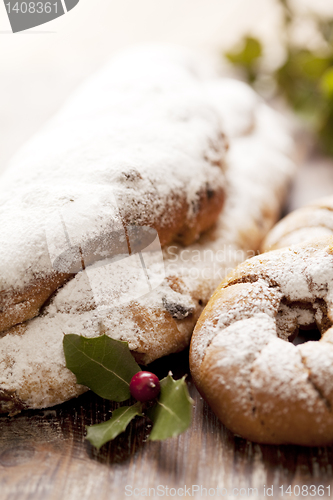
(261, 386)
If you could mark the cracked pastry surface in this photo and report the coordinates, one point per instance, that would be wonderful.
(261, 386)
(256, 172)
(138, 144)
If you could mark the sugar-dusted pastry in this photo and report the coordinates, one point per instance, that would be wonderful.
(173, 181)
(139, 144)
(312, 221)
(261, 386)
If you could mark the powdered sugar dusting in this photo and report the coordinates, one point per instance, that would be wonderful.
(280, 378)
(148, 145)
(185, 108)
(311, 222)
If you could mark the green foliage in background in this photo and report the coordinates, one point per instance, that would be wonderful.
(305, 79)
(247, 57)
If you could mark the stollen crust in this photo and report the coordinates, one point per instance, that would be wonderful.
(106, 295)
(138, 144)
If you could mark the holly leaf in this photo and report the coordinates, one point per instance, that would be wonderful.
(100, 434)
(172, 413)
(103, 364)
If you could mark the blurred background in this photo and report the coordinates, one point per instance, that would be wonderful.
(284, 48)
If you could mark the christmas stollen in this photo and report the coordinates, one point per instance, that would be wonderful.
(123, 151)
(152, 155)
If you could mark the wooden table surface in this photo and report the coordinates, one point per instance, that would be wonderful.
(44, 455)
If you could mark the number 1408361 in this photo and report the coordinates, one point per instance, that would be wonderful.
(32, 7)
(305, 490)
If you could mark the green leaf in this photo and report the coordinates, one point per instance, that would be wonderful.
(104, 365)
(250, 51)
(247, 57)
(304, 79)
(172, 413)
(326, 83)
(298, 81)
(100, 434)
(311, 65)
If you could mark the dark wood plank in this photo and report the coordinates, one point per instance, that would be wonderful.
(43, 455)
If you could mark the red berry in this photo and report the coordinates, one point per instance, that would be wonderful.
(144, 386)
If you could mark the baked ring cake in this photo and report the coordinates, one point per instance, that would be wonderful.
(174, 180)
(313, 221)
(261, 386)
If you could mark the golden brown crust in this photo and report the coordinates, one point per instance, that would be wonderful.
(314, 221)
(261, 386)
(17, 306)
